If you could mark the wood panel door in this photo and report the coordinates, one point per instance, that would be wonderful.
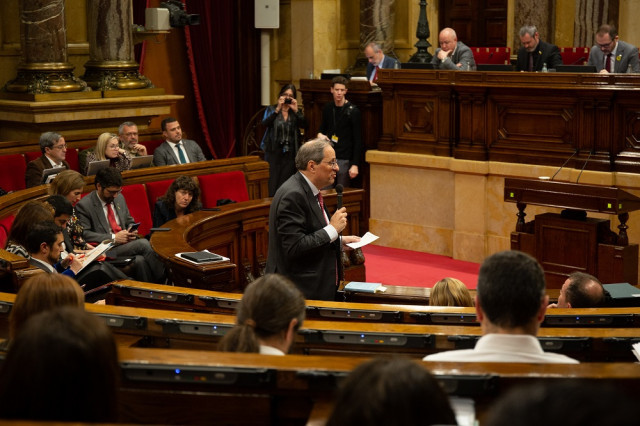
(477, 23)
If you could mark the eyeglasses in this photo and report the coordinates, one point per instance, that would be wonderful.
(113, 191)
(605, 45)
(63, 146)
(333, 163)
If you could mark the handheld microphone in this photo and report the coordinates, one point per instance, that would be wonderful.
(339, 189)
(591, 152)
(565, 163)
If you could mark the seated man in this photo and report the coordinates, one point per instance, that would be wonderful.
(580, 290)
(452, 54)
(535, 53)
(44, 244)
(377, 60)
(175, 150)
(128, 136)
(54, 151)
(610, 54)
(104, 215)
(510, 305)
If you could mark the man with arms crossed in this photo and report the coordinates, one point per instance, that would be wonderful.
(304, 241)
(510, 305)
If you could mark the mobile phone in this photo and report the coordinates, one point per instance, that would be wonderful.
(133, 227)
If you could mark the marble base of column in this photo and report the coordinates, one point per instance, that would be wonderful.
(115, 75)
(41, 78)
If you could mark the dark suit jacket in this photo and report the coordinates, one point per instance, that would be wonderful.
(298, 246)
(165, 156)
(627, 53)
(94, 222)
(33, 175)
(387, 62)
(462, 55)
(544, 53)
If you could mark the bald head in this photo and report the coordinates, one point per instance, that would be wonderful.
(448, 40)
(581, 290)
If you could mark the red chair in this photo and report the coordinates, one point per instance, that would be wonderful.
(13, 168)
(220, 186)
(155, 190)
(5, 227)
(152, 145)
(71, 158)
(136, 198)
(492, 55)
(575, 55)
(33, 155)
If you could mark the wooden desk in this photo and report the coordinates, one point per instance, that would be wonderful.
(260, 389)
(240, 232)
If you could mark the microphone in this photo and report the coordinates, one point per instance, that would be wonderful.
(579, 61)
(591, 152)
(339, 189)
(565, 163)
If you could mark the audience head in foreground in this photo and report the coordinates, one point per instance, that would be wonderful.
(30, 213)
(580, 290)
(268, 317)
(510, 305)
(63, 366)
(565, 403)
(391, 392)
(450, 292)
(41, 293)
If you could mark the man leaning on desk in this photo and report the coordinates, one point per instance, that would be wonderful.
(610, 54)
(453, 54)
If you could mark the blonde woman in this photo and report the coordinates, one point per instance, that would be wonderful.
(108, 148)
(450, 292)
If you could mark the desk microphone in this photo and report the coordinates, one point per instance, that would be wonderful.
(565, 163)
(585, 165)
(339, 189)
(579, 61)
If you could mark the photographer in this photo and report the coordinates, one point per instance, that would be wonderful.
(282, 138)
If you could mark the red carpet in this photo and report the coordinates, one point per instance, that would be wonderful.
(415, 269)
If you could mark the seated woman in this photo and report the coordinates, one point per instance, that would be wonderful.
(62, 367)
(450, 292)
(108, 148)
(70, 184)
(268, 317)
(31, 212)
(41, 293)
(182, 197)
(395, 391)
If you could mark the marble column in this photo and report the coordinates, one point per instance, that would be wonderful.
(43, 39)
(111, 64)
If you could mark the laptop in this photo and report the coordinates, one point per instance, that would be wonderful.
(495, 67)
(94, 166)
(49, 174)
(141, 161)
(584, 69)
(416, 66)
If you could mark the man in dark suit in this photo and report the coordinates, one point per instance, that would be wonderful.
(175, 150)
(304, 241)
(610, 54)
(54, 151)
(104, 215)
(377, 60)
(534, 52)
(452, 54)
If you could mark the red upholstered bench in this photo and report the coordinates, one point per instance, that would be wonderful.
(12, 170)
(492, 55)
(575, 55)
(136, 198)
(155, 190)
(152, 145)
(220, 186)
(71, 158)
(5, 227)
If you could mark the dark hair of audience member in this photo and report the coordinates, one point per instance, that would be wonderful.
(63, 366)
(578, 296)
(109, 176)
(450, 292)
(30, 213)
(511, 287)
(186, 183)
(60, 205)
(42, 293)
(267, 307)
(44, 232)
(563, 403)
(391, 392)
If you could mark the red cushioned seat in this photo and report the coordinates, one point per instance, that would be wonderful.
(136, 198)
(155, 190)
(33, 155)
(152, 145)
(12, 170)
(492, 55)
(5, 227)
(575, 55)
(71, 158)
(220, 186)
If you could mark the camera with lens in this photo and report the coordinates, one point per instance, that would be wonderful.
(177, 16)
(288, 100)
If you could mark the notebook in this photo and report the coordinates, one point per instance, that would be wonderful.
(94, 166)
(201, 257)
(365, 287)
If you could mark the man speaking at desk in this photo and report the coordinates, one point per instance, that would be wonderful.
(304, 241)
